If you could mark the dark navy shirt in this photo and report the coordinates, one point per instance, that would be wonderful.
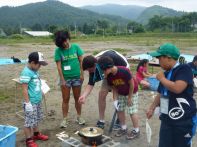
(96, 76)
(182, 106)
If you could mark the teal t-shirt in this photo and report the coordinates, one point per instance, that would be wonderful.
(69, 61)
(32, 78)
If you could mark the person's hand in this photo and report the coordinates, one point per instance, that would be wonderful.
(149, 113)
(81, 78)
(116, 104)
(160, 75)
(28, 107)
(129, 102)
(62, 82)
(81, 100)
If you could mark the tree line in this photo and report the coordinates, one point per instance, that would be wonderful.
(185, 23)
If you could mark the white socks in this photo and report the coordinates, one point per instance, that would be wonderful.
(136, 129)
(124, 127)
(103, 121)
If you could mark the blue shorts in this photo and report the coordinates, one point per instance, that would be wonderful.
(73, 82)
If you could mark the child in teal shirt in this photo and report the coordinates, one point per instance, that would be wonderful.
(31, 85)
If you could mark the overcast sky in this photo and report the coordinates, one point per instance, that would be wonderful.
(182, 5)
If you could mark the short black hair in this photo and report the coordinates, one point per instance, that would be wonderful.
(60, 37)
(195, 58)
(88, 62)
(105, 62)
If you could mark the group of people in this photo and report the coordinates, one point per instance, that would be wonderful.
(175, 92)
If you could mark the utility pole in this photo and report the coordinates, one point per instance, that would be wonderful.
(172, 25)
(20, 28)
(75, 30)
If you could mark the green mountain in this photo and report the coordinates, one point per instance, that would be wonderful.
(132, 12)
(51, 13)
(127, 11)
(157, 10)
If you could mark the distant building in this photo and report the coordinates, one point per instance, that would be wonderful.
(2, 33)
(195, 27)
(38, 33)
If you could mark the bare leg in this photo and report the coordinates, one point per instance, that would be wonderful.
(121, 117)
(102, 103)
(35, 129)
(66, 98)
(135, 120)
(28, 132)
(76, 93)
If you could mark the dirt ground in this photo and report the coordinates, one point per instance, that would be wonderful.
(50, 124)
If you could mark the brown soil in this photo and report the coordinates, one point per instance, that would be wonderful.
(50, 124)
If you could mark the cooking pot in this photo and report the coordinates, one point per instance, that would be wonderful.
(91, 136)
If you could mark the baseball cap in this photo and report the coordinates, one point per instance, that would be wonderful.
(37, 57)
(167, 49)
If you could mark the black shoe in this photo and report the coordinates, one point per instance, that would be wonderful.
(100, 124)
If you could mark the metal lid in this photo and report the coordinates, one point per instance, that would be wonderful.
(91, 131)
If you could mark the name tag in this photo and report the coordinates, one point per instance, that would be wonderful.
(67, 68)
(164, 104)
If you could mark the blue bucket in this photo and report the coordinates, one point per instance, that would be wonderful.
(154, 83)
(8, 136)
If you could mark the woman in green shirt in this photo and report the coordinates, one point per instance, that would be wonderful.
(68, 58)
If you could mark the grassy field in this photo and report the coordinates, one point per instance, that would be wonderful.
(140, 38)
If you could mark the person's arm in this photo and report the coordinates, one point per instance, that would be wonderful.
(131, 89)
(176, 87)
(115, 93)
(146, 74)
(59, 68)
(115, 98)
(81, 68)
(25, 92)
(149, 74)
(156, 102)
(86, 92)
(28, 105)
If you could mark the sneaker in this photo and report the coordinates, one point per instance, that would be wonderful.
(121, 132)
(40, 137)
(80, 121)
(100, 124)
(133, 134)
(31, 143)
(64, 123)
(116, 127)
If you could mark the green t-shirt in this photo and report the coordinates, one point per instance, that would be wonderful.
(69, 61)
(31, 78)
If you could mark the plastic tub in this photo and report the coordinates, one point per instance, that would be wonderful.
(154, 83)
(8, 136)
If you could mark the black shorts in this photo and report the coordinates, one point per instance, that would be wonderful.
(177, 134)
